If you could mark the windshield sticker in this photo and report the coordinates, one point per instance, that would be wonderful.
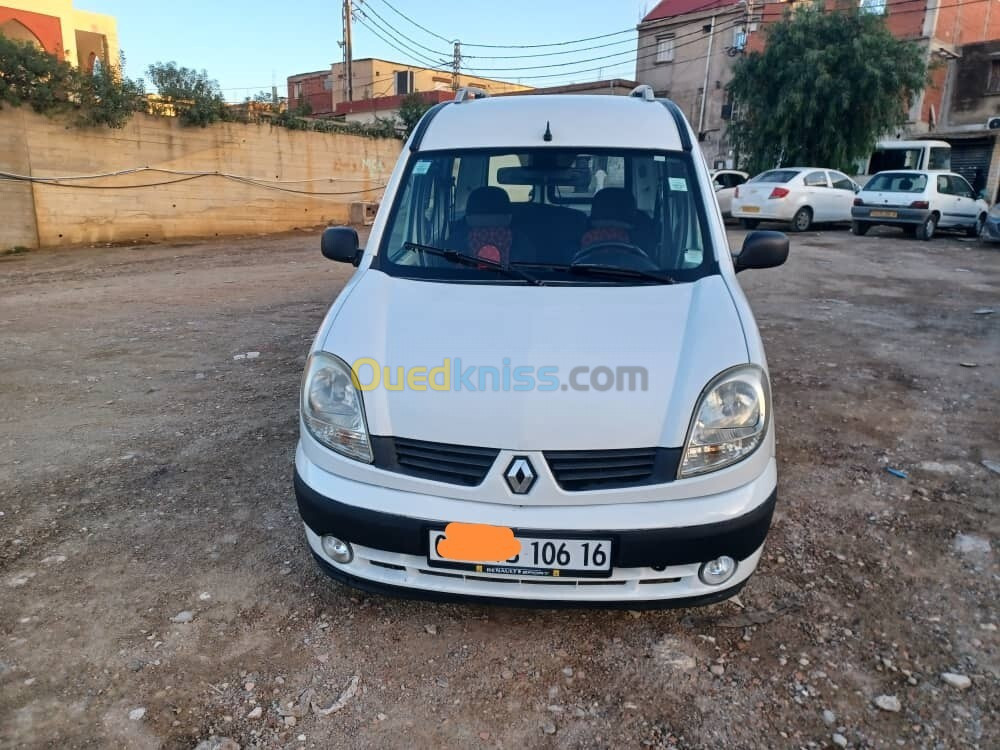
(421, 167)
(679, 184)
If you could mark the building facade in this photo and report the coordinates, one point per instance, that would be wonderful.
(374, 79)
(79, 37)
(959, 41)
(686, 51)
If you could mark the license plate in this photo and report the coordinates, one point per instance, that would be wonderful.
(884, 214)
(539, 556)
(751, 209)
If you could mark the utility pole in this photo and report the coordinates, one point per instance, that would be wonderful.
(456, 66)
(348, 53)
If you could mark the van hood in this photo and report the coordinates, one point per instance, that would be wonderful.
(510, 355)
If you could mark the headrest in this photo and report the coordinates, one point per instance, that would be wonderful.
(488, 207)
(612, 207)
(906, 184)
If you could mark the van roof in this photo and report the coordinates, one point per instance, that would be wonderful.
(575, 121)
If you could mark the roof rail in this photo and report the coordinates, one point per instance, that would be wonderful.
(643, 91)
(466, 93)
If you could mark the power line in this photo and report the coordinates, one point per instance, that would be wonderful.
(388, 28)
(506, 46)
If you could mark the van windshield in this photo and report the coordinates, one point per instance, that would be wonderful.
(633, 217)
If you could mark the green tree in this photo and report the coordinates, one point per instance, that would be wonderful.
(826, 87)
(411, 109)
(107, 97)
(196, 98)
(29, 75)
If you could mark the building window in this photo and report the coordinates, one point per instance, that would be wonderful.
(875, 7)
(404, 82)
(665, 49)
(739, 39)
(993, 85)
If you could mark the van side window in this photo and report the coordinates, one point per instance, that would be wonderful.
(943, 185)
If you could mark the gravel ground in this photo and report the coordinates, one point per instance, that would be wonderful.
(157, 590)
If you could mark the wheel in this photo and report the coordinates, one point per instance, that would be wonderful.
(749, 223)
(860, 228)
(802, 220)
(976, 229)
(926, 230)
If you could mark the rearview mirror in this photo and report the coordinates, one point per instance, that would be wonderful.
(341, 244)
(762, 249)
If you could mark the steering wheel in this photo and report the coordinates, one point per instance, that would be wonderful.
(600, 251)
(583, 256)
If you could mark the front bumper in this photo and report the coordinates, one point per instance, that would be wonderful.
(904, 215)
(654, 563)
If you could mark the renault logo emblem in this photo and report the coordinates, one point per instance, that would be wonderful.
(520, 475)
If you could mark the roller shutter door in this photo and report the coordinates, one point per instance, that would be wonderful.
(967, 155)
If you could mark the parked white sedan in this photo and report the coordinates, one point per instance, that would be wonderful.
(725, 182)
(920, 202)
(800, 196)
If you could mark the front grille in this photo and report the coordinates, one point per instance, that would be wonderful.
(441, 462)
(577, 471)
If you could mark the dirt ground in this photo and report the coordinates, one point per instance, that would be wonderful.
(144, 472)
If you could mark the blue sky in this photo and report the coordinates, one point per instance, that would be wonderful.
(248, 45)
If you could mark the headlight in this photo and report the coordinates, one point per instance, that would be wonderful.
(730, 421)
(332, 409)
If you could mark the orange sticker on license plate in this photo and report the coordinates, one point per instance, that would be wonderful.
(478, 541)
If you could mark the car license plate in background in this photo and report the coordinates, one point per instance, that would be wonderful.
(750, 209)
(884, 214)
(538, 557)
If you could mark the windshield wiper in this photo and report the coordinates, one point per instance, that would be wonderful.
(467, 260)
(597, 269)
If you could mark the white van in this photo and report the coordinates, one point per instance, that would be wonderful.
(897, 154)
(543, 382)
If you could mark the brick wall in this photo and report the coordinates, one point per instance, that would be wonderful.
(50, 215)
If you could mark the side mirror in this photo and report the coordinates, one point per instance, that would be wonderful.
(341, 244)
(762, 249)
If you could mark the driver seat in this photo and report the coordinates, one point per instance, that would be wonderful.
(611, 218)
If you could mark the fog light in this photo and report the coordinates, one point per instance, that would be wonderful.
(340, 551)
(717, 571)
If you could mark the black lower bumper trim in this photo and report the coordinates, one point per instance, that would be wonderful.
(407, 592)
(638, 548)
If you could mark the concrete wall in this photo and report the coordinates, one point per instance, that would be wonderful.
(50, 215)
(971, 101)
